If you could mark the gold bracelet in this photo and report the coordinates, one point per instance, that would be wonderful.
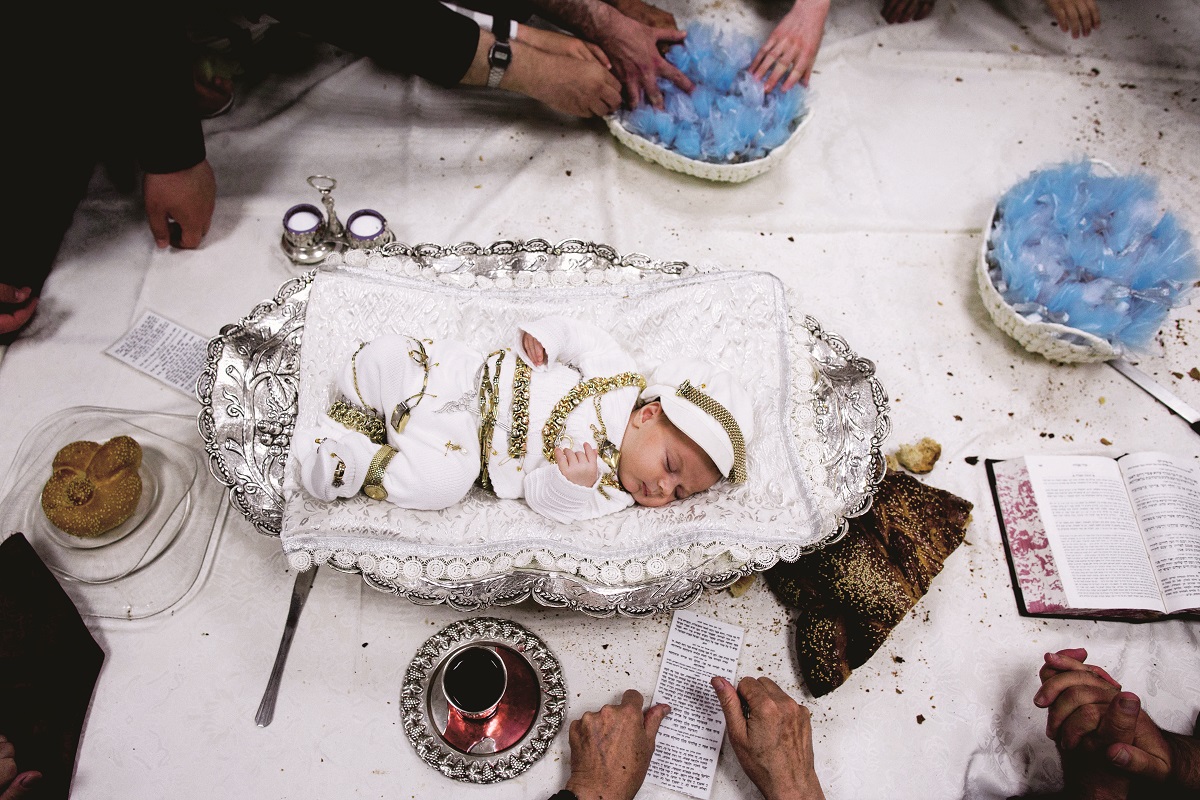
(373, 485)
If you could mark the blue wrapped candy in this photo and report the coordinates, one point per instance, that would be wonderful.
(1092, 252)
(727, 119)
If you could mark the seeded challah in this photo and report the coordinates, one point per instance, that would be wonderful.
(95, 487)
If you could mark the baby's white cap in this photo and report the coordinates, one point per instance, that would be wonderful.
(706, 403)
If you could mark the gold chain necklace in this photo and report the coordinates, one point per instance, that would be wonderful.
(552, 431)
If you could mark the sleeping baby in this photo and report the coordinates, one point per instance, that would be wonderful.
(561, 418)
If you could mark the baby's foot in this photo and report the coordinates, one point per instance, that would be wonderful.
(909, 10)
(1080, 17)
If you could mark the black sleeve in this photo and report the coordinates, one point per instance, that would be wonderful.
(417, 37)
(163, 122)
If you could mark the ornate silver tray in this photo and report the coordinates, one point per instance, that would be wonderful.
(419, 709)
(248, 393)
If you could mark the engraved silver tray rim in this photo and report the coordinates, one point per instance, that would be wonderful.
(248, 447)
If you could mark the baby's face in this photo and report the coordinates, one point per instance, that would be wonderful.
(659, 464)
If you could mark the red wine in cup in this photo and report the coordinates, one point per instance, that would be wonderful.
(474, 680)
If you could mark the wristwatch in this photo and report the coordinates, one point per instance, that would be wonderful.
(500, 54)
(373, 483)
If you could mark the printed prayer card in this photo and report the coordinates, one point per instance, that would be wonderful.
(163, 350)
(689, 741)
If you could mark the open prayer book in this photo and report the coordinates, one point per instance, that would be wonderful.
(1098, 537)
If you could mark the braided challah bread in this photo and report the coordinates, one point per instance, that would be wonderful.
(850, 595)
(95, 487)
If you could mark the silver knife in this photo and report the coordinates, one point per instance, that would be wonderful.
(266, 709)
(1157, 391)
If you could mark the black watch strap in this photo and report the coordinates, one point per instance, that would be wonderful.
(564, 794)
(500, 27)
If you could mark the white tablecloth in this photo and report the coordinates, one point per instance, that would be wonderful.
(875, 217)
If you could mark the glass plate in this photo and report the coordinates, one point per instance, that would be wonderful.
(150, 561)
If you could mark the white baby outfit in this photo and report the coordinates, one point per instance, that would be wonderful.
(437, 457)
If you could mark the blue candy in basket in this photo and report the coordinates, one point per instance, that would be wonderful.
(1071, 246)
(727, 119)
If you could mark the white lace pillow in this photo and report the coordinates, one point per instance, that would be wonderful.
(738, 320)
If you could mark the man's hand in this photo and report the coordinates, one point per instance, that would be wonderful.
(787, 56)
(645, 13)
(633, 49)
(533, 349)
(1103, 734)
(1077, 17)
(16, 307)
(1069, 660)
(187, 197)
(14, 784)
(611, 749)
(563, 45)
(577, 86)
(1083, 712)
(772, 738)
(580, 467)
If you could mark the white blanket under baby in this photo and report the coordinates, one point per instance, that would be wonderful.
(791, 504)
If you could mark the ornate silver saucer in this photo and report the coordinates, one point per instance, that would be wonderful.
(510, 741)
(249, 394)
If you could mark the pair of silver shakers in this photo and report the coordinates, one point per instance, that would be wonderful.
(310, 236)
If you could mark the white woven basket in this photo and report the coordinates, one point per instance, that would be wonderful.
(1056, 342)
(729, 173)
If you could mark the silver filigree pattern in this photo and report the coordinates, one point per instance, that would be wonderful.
(418, 683)
(248, 396)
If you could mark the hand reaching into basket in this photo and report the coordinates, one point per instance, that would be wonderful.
(633, 47)
(787, 57)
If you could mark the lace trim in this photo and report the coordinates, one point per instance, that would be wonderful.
(713, 558)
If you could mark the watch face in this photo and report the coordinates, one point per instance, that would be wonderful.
(500, 55)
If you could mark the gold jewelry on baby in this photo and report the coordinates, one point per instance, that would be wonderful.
(358, 420)
(608, 453)
(373, 485)
(354, 375)
(737, 474)
(339, 472)
(518, 435)
(403, 409)
(552, 431)
(489, 394)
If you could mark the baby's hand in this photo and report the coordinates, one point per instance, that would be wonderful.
(535, 351)
(580, 467)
